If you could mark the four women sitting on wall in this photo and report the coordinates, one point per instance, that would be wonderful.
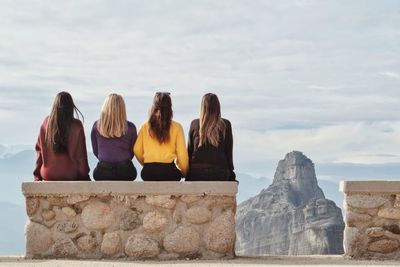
(159, 147)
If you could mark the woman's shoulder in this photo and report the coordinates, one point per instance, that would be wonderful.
(77, 123)
(131, 126)
(176, 125)
(227, 122)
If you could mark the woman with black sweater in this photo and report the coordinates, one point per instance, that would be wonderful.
(210, 144)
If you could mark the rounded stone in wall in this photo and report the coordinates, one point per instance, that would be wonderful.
(87, 243)
(111, 244)
(220, 235)
(198, 215)
(48, 215)
(64, 247)
(140, 246)
(97, 216)
(162, 201)
(38, 238)
(69, 211)
(32, 205)
(154, 222)
(184, 240)
(384, 246)
(76, 199)
(365, 201)
(129, 220)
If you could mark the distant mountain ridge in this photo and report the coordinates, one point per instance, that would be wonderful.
(291, 216)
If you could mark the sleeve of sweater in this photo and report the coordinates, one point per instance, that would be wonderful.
(229, 149)
(182, 154)
(94, 140)
(39, 156)
(133, 138)
(138, 147)
(190, 147)
(83, 166)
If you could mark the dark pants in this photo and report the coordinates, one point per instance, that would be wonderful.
(122, 171)
(208, 174)
(160, 172)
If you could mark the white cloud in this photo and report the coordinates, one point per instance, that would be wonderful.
(394, 75)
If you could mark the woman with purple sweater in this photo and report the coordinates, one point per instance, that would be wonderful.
(112, 140)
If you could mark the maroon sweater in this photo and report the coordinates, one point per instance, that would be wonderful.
(68, 166)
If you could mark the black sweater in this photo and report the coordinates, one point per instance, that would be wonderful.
(220, 156)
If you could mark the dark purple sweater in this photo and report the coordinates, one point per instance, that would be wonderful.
(113, 150)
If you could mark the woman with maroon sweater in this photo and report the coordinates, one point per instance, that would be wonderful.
(60, 148)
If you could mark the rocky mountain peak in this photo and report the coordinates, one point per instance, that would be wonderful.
(298, 173)
(291, 216)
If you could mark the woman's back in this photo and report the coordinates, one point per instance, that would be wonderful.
(68, 165)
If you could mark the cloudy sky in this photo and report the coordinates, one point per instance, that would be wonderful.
(318, 76)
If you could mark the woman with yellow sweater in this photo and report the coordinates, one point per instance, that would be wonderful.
(160, 147)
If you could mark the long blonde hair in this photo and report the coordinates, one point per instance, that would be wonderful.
(212, 127)
(113, 122)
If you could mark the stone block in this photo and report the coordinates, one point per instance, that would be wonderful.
(140, 246)
(111, 244)
(69, 211)
(97, 216)
(57, 201)
(353, 218)
(129, 220)
(375, 232)
(87, 243)
(48, 215)
(163, 201)
(38, 238)
(220, 235)
(154, 222)
(389, 213)
(184, 240)
(32, 205)
(384, 246)
(366, 201)
(64, 247)
(76, 199)
(66, 227)
(190, 199)
(198, 215)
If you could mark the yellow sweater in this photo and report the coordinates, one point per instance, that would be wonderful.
(147, 149)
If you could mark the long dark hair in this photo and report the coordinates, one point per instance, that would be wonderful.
(212, 127)
(161, 116)
(60, 122)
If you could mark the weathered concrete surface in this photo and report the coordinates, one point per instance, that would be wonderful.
(334, 261)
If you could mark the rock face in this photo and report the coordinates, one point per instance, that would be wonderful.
(290, 217)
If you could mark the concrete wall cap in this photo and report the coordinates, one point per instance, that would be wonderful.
(370, 186)
(128, 188)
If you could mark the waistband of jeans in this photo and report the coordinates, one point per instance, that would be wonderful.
(114, 164)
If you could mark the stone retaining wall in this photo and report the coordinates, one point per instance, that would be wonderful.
(372, 217)
(133, 220)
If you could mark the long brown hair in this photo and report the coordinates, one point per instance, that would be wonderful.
(60, 122)
(161, 116)
(112, 122)
(212, 127)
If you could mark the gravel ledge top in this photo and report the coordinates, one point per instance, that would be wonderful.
(130, 188)
(371, 186)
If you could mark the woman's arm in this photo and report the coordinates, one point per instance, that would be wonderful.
(83, 166)
(182, 154)
(138, 147)
(228, 148)
(39, 159)
(133, 137)
(93, 137)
